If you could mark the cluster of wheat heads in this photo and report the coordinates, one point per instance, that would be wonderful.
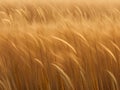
(59, 46)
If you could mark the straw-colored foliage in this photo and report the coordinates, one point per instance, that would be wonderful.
(54, 45)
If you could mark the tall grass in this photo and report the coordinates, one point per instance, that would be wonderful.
(59, 46)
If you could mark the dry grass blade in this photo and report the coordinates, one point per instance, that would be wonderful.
(41, 42)
(18, 11)
(63, 41)
(13, 44)
(83, 78)
(115, 84)
(82, 37)
(64, 76)
(38, 61)
(77, 62)
(3, 85)
(116, 46)
(110, 52)
(34, 39)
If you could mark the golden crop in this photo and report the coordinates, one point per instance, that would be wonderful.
(59, 46)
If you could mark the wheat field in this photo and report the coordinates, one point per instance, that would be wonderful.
(59, 45)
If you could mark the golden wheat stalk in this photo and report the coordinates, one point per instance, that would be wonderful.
(108, 50)
(40, 62)
(114, 81)
(116, 46)
(82, 37)
(66, 43)
(64, 76)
